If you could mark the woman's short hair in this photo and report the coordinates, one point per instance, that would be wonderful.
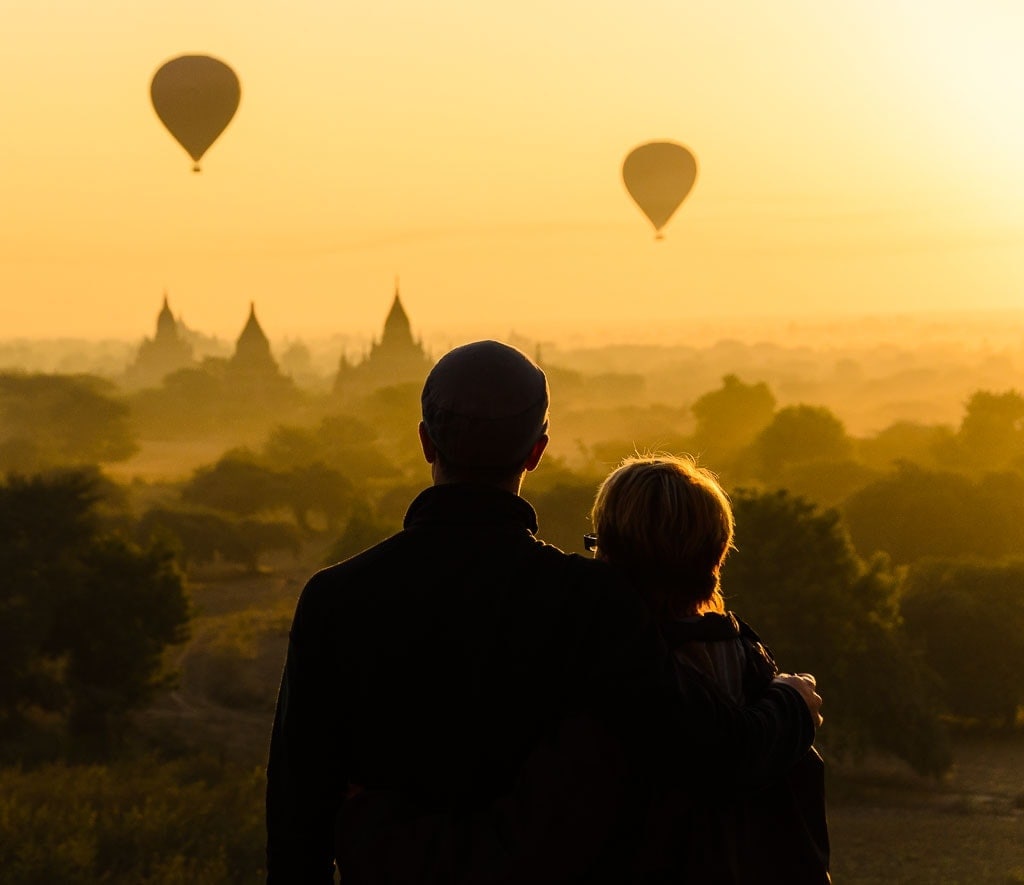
(670, 524)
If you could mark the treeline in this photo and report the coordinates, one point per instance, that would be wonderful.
(853, 552)
(884, 564)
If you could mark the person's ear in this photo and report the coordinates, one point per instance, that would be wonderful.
(536, 453)
(427, 444)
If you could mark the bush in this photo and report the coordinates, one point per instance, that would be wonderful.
(85, 614)
(188, 821)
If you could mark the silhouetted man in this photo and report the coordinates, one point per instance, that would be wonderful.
(437, 664)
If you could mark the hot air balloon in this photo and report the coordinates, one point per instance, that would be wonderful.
(195, 97)
(658, 176)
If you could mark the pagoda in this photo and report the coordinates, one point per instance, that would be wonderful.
(397, 358)
(166, 352)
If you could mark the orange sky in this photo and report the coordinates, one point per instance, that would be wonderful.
(858, 158)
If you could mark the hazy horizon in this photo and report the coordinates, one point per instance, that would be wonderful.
(859, 158)
(970, 328)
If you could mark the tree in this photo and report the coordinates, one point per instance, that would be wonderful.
(991, 435)
(828, 483)
(288, 446)
(969, 618)
(240, 485)
(236, 484)
(345, 442)
(796, 578)
(316, 488)
(362, 531)
(112, 627)
(800, 434)
(44, 524)
(728, 419)
(907, 441)
(914, 513)
(199, 538)
(85, 614)
(49, 421)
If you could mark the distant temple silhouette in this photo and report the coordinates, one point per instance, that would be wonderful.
(252, 355)
(397, 358)
(252, 372)
(167, 351)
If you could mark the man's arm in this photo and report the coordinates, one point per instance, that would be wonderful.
(579, 793)
(305, 772)
(577, 805)
(563, 819)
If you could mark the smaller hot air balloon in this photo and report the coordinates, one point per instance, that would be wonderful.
(658, 176)
(195, 97)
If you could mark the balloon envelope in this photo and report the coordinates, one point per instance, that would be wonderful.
(658, 176)
(195, 97)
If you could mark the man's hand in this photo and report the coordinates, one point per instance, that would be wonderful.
(806, 684)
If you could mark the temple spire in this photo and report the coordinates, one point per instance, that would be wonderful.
(166, 325)
(396, 358)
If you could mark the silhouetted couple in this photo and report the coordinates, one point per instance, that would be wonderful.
(463, 703)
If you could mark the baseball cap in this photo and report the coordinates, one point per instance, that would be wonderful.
(484, 405)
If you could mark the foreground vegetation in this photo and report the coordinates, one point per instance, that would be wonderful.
(196, 819)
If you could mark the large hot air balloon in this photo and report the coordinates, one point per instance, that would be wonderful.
(658, 176)
(195, 97)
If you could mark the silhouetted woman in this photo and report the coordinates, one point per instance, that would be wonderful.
(670, 525)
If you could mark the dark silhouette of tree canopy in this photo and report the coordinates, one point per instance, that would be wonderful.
(343, 441)
(828, 483)
(236, 484)
(796, 578)
(921, 444)
(914, 513)
(51, 421)
(201, 537)
(728, 419)
(800, 434)
(362, 531)
(991, 435)
(969, 618)
(114, 624)
(240, 484)
(84, 613)
(317, 488)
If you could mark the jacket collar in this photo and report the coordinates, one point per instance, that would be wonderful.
(470, 504)
(709, 627)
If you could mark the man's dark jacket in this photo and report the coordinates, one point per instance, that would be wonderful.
(434, 664)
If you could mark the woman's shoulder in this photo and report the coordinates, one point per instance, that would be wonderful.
(707, 627)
